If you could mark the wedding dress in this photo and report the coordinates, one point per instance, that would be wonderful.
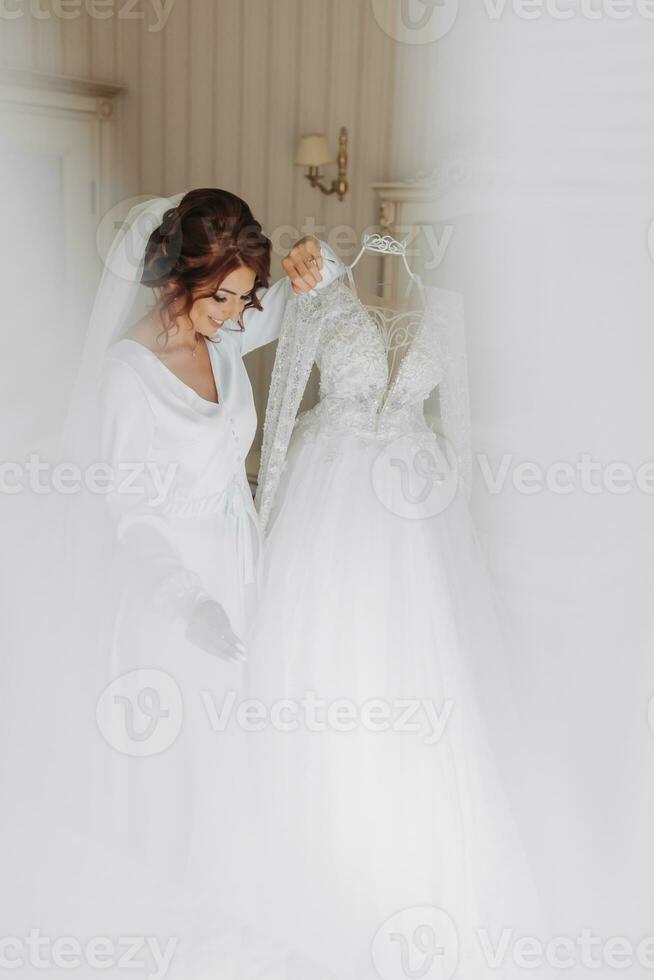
(380, 827)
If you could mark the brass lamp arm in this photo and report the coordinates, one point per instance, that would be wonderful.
(340, 185)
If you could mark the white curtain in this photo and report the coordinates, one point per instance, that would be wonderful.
(539, 122)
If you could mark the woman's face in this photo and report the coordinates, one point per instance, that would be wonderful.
(209, 313)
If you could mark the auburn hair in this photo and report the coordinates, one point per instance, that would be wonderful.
(210, 234)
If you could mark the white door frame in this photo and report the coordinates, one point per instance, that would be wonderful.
(76, 120)
(63, 95)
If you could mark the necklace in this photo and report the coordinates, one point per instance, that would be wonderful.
(193, 350)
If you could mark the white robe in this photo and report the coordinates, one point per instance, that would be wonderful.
(171, 770)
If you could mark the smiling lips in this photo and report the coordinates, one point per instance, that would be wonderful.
(218, 323)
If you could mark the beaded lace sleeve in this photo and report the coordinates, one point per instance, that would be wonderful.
(299, 337)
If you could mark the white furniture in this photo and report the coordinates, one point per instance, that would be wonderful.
(419, 209)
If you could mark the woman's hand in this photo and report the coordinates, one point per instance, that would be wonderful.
(210, 629)
(303, 264)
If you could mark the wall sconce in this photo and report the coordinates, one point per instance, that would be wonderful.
(313, 152)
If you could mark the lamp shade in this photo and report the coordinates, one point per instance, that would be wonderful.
(313, 150)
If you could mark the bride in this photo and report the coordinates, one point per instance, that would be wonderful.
(381, 831)
(169, 391)
(165, 557)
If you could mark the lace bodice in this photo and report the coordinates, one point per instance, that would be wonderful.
(377, 368)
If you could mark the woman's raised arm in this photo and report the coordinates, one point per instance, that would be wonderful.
(263, 326)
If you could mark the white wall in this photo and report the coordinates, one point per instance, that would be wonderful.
(550, 122)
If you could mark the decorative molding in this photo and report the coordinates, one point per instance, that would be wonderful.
(46, 100)
(399, 192)
(30, 78)
(424, 186)
(104, 108)
(27, 88)
(386, 214)
(449, 173)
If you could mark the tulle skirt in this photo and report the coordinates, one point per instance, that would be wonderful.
(380, 836)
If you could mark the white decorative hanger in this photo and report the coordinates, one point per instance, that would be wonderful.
(385, 245)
